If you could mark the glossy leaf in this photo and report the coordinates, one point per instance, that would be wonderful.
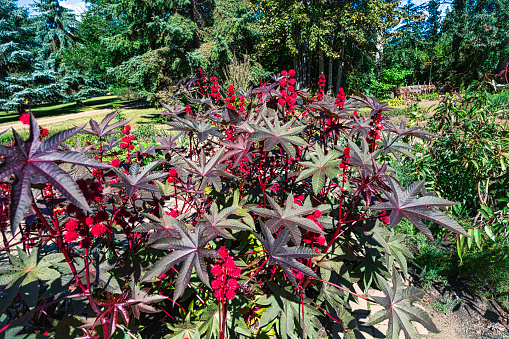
(404, 203)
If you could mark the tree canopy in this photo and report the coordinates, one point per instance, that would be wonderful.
(148, 46)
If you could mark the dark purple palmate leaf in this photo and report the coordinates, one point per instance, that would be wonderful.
(404, 203)
(371, 102)
(139, 178)
(415, 131)
(286, 257)
(189, 249)
(168, 143)
(265, 91)
(36, 158)
(291, 218)
(171, 112)
(360, 125)
(328, 106)
(103, 129)
(241, 149)
(112, 307)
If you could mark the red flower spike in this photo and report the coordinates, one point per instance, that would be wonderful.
(98, 230)
(25, 119)
(223, 252)
(89, 221)
(115, 162)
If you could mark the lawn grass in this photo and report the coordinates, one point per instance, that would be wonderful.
(52, 110)
(142, 118)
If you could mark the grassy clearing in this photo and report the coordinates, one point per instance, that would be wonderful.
(147, 120)
(52, 110)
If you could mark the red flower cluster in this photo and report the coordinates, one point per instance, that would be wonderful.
(374, 133)
(202, 83)
(385, 218)
(172, 213)
(225, 275)
(262, 83)
(25, 119)
(340, 98)
(287, 90)
(298, 199)
(214, 89)
(321, 84)
(173, 176)
(313, 237)
(242, 104)
(346, 158)
(188, 110)
(82, 226)
(231, 97)
(115, 162)
(44, 132)
(127, 139)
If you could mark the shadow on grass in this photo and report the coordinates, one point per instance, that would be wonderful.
(52, 110)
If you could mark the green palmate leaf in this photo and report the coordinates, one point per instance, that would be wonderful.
(209, 171)
(320, 167)
(398, 308)
(406, 204)
(189, 250)
(36, 158)
(139, 178)
(241, 208)
(290, 218)
(216, 223)
(287, 309)
(29, 270)
(286, 257)
(284, 136)
(209, 326)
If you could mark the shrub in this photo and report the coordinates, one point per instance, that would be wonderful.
(257, 218)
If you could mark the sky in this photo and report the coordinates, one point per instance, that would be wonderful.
(77, 6)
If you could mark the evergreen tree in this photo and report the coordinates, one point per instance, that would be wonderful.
(473, 41)
(25, 77)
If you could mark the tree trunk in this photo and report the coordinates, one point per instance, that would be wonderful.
(379, 55)
(308, 68)
(320, 62)
(331, 86)
(296, 66)
(340, 66)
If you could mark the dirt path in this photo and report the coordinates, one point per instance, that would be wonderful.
(44, 122)
(51, 120)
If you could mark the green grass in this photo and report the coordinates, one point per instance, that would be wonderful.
(146, 120)
(52, 110)
(446, 307)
